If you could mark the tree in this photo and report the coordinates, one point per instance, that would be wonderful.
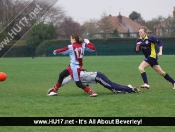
(158, 19)
(150, 25)
(169, 27)
(13, 12)
(68, 27)
(105, 25)
(91, 28)
(55, 15)
(116, 33)
(134, 15)
(172, 27)
(8, 12)
(39, 33)
(154, 22)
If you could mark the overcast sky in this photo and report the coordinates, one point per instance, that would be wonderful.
(83, 10)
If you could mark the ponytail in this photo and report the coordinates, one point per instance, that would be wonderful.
(80, 40)
(77, 38)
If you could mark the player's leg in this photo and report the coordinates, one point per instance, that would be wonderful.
(62, 75)
(54, 90)
(86, 89)
(159, 70)
(141, 68)
(114, 87)
(76, 77)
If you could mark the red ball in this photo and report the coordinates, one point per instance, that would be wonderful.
(3, 76)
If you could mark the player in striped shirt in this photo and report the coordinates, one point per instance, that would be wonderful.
(76, 51)
(148, 47)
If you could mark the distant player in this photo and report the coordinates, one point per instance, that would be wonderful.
(92, 78)
(147, 45)
(76, 52)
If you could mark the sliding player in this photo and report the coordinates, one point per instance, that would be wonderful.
(92, 78)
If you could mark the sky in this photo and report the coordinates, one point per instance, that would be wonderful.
(84, 10)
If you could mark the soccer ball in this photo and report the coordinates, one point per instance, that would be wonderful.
(3, 76)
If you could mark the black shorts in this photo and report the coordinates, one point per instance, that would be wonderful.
(151, 61)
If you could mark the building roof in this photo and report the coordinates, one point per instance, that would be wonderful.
(123, 24)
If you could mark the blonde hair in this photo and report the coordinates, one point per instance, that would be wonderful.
(77, 38)
(144, 29)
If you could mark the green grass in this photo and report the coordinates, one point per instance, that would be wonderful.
(23, 94)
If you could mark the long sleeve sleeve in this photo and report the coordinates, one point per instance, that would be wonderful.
(90, 47)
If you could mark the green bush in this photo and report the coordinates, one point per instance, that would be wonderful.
(111, 46)
(44, 46)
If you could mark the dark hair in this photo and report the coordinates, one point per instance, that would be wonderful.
(77, 38)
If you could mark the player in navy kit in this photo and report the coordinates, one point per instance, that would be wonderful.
(92, 78)
(76, 52)
(147, 45)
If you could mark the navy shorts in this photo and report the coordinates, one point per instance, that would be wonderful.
(151, 61)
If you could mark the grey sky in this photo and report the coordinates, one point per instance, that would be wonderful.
(82, 10)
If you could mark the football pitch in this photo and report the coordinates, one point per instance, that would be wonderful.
(23, 94)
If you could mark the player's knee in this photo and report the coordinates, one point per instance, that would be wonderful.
(140, 68)
(162, 73)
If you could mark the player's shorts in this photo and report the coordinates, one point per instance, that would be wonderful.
(151, 61)
(74, 71)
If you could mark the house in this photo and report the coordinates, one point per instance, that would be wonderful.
(125, 26)
(164, 28)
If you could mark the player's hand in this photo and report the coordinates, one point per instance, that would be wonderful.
(54, 52)
(138, 46)
(159, 54)
(139, 43)
(86, 41)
